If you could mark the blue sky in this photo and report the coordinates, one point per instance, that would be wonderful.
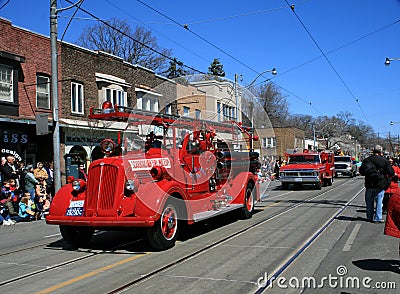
(250, 37)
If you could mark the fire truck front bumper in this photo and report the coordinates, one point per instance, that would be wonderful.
(98, 222)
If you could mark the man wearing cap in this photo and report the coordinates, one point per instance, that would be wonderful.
(375, 186)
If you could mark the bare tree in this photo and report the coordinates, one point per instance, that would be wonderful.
(137, 46)
(274, 103)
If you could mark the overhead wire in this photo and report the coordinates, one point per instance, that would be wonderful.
(4, 5)
(130, 37)
(291, 6)
(211, 44)
(71, 18)
(173, 41)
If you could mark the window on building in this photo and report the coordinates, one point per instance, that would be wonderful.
(115, 96)
(186, 111)
(147, 103)
(42, 92)
(219, 110)
(198, 113)
(168, 109)
(149, 100)
(6, 83)
(77, 105)
(269, 142)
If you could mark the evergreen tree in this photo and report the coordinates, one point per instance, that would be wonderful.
(216, 68)
(175, 69)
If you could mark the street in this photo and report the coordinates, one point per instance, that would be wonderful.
(313, 239)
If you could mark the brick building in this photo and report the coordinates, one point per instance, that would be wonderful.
(91, 78)
(289, 139)
(25, 72)
(86, 79)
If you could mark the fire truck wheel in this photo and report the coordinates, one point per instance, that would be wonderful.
(164, 233)
(285, 186)
(246, 211)
(76, 236)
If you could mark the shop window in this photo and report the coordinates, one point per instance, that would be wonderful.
(6, 83)
(77, 98)
(42, 92)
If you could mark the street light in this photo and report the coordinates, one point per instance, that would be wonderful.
(273, 71)
(388, 60)
(394, 122)
(317, 131)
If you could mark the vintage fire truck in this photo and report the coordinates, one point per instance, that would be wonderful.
(308, 167)
(181, 172)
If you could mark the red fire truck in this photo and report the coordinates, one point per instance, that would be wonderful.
(308, 167)
(182, 172)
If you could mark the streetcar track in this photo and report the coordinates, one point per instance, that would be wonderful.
(67, 262)
(198, 252)
(167, 266)
(291, 258)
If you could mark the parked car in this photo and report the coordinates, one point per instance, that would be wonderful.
(345, 166)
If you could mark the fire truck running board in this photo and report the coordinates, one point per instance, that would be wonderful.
(211, 213)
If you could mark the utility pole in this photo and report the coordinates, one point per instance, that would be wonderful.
(236, 96)
(54, 95)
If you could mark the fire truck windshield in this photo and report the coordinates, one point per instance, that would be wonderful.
(304, 158)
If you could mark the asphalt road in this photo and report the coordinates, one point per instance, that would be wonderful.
(318, 239)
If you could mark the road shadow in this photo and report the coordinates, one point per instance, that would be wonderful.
(378, 265)
(135, 240)
(352, 219)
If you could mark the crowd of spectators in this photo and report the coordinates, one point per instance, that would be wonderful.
(26, 192)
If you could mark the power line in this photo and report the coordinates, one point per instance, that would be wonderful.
(218, 48)
(327, 59)
(198, 36)
(139, 21)
(130, 37)
(2, 6)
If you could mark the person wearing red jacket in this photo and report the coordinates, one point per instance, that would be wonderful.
(392, 225)
(393, 186)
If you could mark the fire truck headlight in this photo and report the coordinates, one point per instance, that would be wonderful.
(78, 185)
(132, 185)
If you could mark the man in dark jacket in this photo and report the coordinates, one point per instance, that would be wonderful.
(375, 183)
(10, 170)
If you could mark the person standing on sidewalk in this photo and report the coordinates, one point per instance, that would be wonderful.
(377, 172)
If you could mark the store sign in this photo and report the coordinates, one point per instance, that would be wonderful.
(6, 152)
(12, 137)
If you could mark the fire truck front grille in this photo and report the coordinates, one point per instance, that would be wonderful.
(299, 173)
(101, 188)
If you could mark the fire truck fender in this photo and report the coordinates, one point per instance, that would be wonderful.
(154, 197)
(63, 198)
(239, 185)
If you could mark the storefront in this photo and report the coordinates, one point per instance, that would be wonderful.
(21, 138)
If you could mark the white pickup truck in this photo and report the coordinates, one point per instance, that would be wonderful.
(345, 166)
